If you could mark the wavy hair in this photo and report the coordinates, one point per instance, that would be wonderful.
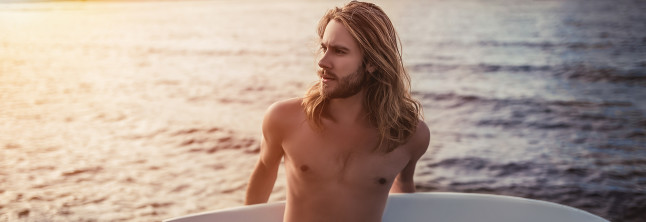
(388, 104)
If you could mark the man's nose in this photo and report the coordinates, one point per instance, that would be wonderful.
(324, 61)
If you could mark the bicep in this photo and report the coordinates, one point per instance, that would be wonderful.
(271, 149)
(270, 152)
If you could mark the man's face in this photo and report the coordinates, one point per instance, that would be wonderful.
(341, 68)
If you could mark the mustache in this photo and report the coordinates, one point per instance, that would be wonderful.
(324, 73)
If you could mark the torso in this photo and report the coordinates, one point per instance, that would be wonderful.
(336, 175)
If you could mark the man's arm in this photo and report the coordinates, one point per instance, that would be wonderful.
(418, 144)
(264, 174)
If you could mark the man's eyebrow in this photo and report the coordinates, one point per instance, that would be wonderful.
(338, 47)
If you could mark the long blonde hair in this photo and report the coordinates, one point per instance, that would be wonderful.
(388, 103)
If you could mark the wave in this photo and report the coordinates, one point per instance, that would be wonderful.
(582, 72)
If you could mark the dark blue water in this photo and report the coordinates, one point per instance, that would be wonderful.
(538, 99)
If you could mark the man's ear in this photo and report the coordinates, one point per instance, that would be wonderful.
(370, 68)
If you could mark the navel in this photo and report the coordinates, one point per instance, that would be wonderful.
(304, 168)
(381, 181)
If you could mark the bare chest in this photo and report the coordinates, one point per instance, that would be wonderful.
(342, 157)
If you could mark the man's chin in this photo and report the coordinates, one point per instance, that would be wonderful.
(326, 89)
(328, 93)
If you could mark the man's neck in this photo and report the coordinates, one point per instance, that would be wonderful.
(347, 110)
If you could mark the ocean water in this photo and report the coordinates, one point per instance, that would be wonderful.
(540, 99)
(144, 110)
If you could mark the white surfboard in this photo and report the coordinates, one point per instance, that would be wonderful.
(426, 207)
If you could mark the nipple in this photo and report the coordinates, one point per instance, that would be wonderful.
(304, 168)
(382, 181)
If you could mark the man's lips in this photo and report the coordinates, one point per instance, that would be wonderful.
(326, 77)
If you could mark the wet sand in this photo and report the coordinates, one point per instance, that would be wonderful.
(140, 111)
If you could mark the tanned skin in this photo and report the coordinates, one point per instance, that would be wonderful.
(333, 174)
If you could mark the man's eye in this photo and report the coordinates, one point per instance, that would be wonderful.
(339, 51)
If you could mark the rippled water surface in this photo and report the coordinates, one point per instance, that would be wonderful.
(139, 111)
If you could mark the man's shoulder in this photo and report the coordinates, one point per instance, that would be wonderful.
(282, 116)
(285, 107)
(283, 111)
(419, 141)
(422, 129)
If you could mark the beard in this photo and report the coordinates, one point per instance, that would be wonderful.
(345, 87)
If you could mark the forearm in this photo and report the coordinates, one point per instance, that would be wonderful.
(260, 185)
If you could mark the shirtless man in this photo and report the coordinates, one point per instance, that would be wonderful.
(354, 136)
